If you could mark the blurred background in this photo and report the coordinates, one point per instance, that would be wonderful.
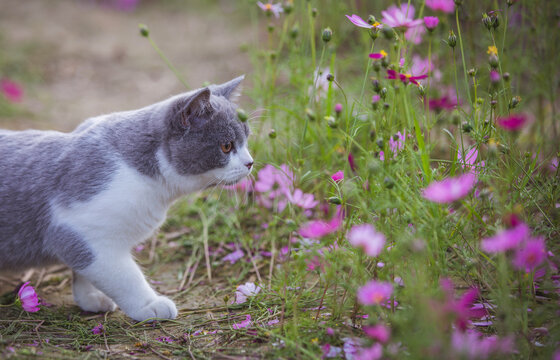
(63, 61)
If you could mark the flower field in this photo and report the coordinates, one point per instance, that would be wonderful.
(405, 201)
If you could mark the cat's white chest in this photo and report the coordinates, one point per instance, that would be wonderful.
(126, 213)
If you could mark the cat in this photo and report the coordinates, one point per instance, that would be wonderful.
(87, 197)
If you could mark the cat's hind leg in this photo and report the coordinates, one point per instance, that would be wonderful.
(88, 297)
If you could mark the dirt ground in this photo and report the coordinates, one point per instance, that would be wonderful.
(93, 61)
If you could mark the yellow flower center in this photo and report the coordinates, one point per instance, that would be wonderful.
(492, 50)
(377, 298)
(408, 76)
(382, 52)
(268, 7)
(375, 24)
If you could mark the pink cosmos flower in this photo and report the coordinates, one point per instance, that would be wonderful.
(531, 255)
(450, 189)
(97, 329)
(463, 308)
(270, 8)
(512, 122)
(11, 90)
(358, 21)
(28, 298)
(379, 55)
(234, 256)
(443, 103)
(319, 228)
(446, 6)
(245, 323)
(506, 240)
(397, 144)
(314, 264)
(338, 176)
(378, 332)
(405, 78)
(274, 185)
(403, 18)
(374, 352)
(245, 185)
(431, 22)
(245, 291)
(375, 292)
(301, 199)
(365, 237)
(468, 163)
(473, 345)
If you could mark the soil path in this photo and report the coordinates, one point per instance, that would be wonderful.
(93, 60)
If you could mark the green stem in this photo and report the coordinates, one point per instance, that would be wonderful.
(367, 71)
(462, 57)
(167, 62)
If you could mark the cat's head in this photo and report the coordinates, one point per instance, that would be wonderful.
(205, 137)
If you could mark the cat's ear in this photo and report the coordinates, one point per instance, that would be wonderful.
(230, 90)
(192, 110)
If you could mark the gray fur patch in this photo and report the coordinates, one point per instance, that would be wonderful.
(69, 247)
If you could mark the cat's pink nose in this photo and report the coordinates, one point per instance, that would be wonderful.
(249, 165)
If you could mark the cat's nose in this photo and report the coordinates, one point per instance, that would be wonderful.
(249, 165)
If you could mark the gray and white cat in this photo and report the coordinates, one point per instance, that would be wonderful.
(87, 197)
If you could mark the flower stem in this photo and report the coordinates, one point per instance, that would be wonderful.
(167, 62)
(462, 58)
(367, 72)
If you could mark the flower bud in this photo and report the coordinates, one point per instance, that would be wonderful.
(376, 66)
(327, 34)
(421, 90)
(310, 114)
(467, 128)
(383, 93)
(376, 85)
(144, 31)
(372, 134)
(272, 134)
(472, 72)
(493, 103)
(458, 2)
(379, 142)
(388, 182)
(314, 12)
(331, 122)
(493, 61)
(272, 55)
(241, 115)
(506, 76)
(334, 200)
(388, 33)
(386, 106)
(510, 2)
(338, 109)
(288, 7)
(330, 77)
(294, 32)
(373, 33)
(451, 39)
(375, 101)
(479, 101)
(494, 77)
(371, 20)
(514, 102)
(385, 62)
(270, 27)
(487, 21)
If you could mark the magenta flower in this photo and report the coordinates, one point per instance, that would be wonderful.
(442, 103)
(301, 199)
(400, 18)
(468, 163)
(97, 329)
(450, 189)
(274, 185)
(512, 122)
(234, 256)
(28, 298)
(405, 78)
(245, 323)
(375, 99)
(358, 21)
(506, 240)
(473, 345)
(374, 352)
(351, 162)
(245, 291)
(11, 90)
(270, 8)
(431, 22)
(375, 292)
(379, 55)
(338, 176)
(378, 332)
(365, 237)
(494, 77)
(403, 18)
(531, 255)
(446, 6)
(314, 264)
(319, 228)
(397, 144)
(338, 108)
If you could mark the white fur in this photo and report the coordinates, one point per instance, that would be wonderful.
(128, 212)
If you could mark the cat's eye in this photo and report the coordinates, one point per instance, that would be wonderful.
(227, 147)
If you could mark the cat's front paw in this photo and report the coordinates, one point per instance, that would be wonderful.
(95, 301)
(161, 308)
